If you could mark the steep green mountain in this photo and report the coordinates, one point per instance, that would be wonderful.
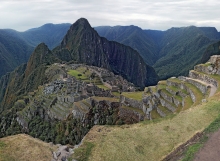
(50, 34)
(134, 37)
(172, 52)
(27, 105)
(83, 44)
(213, 49)
(181, 49)
(13, 51)
(16, 47)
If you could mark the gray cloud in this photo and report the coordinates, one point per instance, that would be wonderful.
(147, 14)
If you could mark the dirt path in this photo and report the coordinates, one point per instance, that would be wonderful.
(213, 88)
(211, 149)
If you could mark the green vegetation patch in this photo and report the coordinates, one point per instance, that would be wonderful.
(116, 94)
(193, 149)
(103, 87)
(2, 144)
(111, 99)
(134, 95)
(155, 114)
(77, 74)
(133, 109)
(164, 110)
(83, 153)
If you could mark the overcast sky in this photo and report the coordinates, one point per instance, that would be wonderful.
(147, 14)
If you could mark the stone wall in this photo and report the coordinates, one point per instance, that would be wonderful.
(131, 102)
(171, 91)
(182, 86)
(204, 78)
(160, 112)
(167, 105)
(202, 87)
(130, 116)
(166, 96)
(176, 102)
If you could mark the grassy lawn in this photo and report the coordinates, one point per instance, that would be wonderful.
(103, 87)
(23, 147)
(151, 139)
(76, 73)
(133, 95)
(116, 94)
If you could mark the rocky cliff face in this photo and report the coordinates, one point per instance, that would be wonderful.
(83, 44)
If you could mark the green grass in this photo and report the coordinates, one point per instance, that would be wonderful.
(133, 95)
(133, 109)
(161, 86)
(83, 153)
(155, 114)
(103, 87)
(76, 74)
(206, 64)
(111, 99)
(164, 110)
(193, 149)
(187, 103)
(161, 136)
(116, 94)
(198, 94)
(167, 92)
(2, 144)
(189, 156)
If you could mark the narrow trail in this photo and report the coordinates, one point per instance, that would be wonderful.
(211, 149)
(212, 87)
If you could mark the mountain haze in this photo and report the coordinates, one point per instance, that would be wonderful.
(172, 52)
(16, 47)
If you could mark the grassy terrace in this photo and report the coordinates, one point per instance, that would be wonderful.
(111, 99)
(23, 147)
(164, 110)
(152, 139)
(83, 74)
(176, 89)
(153, 88)
(195, 90)
(103, 87)
(155, 114)
(133, 109)
(214, 76)
(76, 73)
(134, 95)
(116, 94)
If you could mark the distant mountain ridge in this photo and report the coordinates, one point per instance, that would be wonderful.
(81, 44)
(16, 47)
(172, 52)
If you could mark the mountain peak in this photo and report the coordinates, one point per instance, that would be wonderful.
(76, 31)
